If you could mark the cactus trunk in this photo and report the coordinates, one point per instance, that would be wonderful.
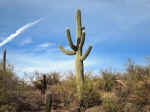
(79, 72)
(77, 51)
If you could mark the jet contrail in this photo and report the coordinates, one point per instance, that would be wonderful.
(19, 31)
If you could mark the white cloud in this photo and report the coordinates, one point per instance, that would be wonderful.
(26, 41)
(45, 45)
(46, 66)
(19, 31)
(48, 62)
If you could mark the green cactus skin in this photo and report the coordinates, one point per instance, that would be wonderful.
(4, 61)
(77, 51)
(48, 102)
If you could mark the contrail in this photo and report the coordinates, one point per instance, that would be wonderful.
(19, 31)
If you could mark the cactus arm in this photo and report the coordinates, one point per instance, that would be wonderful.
(82, 40)
(78, 23)
(70, 41)
(83, 57)
(68, 52)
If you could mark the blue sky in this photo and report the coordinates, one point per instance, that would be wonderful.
(117, 30)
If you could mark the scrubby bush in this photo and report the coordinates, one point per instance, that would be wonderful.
(68, 90)
(53, 78)
(109, 105)
(108, 79)
(91, 95)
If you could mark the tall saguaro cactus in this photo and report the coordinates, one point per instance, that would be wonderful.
(77, 51)
(4, 71)
(4, 61)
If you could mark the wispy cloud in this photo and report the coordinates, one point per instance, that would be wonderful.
(26, 41)
(45, 45)
(19, 31)
(49, 61)
(50, 66)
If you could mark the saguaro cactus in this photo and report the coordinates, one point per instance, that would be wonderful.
(44, 84)
(4, 71)
(49, 102)
(77, 51)
(44, 88)
(4, 61)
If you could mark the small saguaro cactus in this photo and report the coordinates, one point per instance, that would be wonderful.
(44, 87)
(49, 102)
(44, 84)
(77, 51)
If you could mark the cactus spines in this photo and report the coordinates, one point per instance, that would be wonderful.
(4, 61)
(77, 51)
(48, 102)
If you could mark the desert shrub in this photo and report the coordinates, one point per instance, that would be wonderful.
(108, 79)
(140, 94)
(136, 72)
(91, 96)
(135, 97)
(66, 91)
(110, 102)
(7, 108)
(8, 84)
(53, 78)
(109, 105)
(130, 107)
(95, 109)
(68, 94)
(11, 91)
(146, 108)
